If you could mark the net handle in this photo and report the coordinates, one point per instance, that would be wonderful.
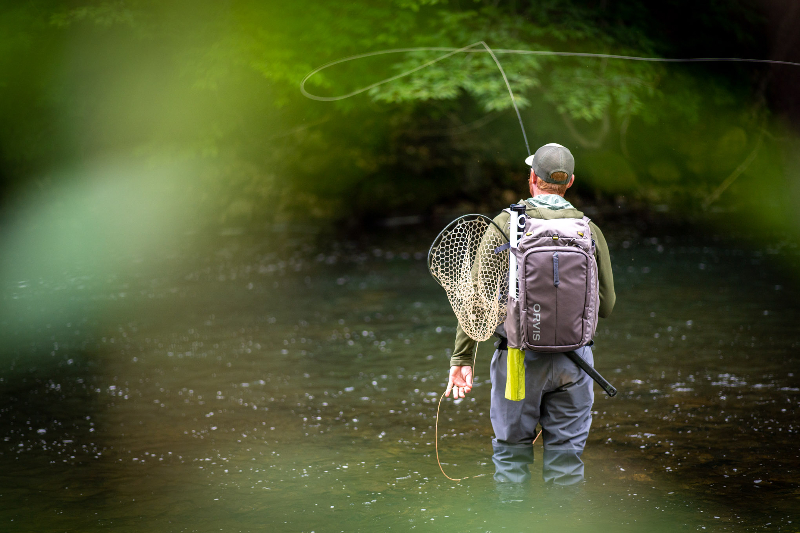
(438, 238)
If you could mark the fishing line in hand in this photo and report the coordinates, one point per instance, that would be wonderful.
(436, 424)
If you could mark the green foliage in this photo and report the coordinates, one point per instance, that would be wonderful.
(104, 14)
(217, 83)
(415, 5)
(610, 172)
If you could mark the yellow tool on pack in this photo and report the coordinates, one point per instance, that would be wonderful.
(515, 375)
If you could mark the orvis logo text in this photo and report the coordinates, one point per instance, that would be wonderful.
(536, 322)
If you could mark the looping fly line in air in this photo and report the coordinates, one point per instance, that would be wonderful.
(481, 47)
(450, 52)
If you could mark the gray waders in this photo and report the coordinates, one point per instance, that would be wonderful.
(559, 396)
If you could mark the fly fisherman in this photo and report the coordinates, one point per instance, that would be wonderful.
(558, 395)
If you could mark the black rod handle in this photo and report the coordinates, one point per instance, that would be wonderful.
(594, 374)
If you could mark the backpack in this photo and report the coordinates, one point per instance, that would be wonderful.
(558, 294)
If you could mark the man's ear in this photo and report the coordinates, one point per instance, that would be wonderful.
(571, 181)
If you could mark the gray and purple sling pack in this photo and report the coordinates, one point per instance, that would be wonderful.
(554, 306)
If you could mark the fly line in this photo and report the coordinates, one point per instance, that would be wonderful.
(481, 47)
(450, 52)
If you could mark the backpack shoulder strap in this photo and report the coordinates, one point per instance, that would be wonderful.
(586, 221)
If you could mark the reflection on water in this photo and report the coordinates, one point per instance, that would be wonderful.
(248, 389)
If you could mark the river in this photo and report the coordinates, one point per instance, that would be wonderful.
(236, 385)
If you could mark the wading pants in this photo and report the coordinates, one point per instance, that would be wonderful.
(559, 396)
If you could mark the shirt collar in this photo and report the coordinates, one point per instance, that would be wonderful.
(549, 201)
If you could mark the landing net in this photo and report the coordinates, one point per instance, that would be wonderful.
(464, 261)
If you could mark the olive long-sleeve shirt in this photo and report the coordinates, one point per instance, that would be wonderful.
(465, 346)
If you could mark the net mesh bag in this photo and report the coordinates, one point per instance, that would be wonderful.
(464, 261)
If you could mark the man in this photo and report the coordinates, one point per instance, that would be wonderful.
(559, 394)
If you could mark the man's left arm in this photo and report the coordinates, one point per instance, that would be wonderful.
(464, 349)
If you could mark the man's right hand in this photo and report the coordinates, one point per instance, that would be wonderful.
(460, 381)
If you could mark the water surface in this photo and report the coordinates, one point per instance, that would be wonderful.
(237, 385)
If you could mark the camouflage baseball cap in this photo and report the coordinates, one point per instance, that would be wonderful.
(552, 158)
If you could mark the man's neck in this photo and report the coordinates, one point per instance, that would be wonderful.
(536, 191)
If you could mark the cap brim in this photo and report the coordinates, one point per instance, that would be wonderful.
(529, 160)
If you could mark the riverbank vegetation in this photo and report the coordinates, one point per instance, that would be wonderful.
(213, 89)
